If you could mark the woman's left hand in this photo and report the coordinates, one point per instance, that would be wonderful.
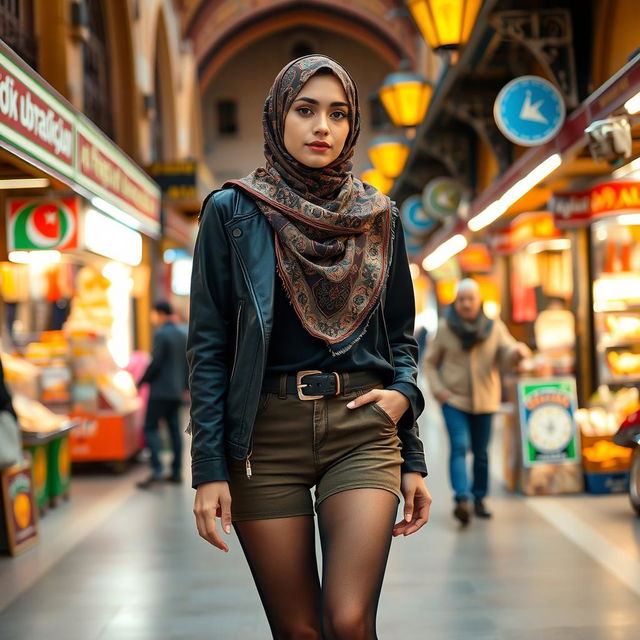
(392, 402)
(417, 502)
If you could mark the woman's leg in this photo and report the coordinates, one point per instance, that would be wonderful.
(457, 423)
(355, 531)
(282, 558)
(480, 437)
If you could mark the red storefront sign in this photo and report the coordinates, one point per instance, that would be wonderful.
(524, 229)
(180, 229)
(107, 173)
(579, 208)
(38, 125)
(48, 126)
(475, 259)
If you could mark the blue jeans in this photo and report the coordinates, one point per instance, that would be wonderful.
(468, 431)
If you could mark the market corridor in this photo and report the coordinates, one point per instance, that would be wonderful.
(121, 564)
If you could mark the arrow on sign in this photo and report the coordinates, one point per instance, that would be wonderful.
(531, 112)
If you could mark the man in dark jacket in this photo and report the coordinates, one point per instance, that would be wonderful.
(167, 378)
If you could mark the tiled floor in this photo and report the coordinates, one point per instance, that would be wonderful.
(119, 564)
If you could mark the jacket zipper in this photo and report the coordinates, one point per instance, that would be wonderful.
(235, 353)
(247, 463)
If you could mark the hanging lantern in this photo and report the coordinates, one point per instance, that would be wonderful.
(388, 155)
(445, 24)
(406, 96)
(377, 179)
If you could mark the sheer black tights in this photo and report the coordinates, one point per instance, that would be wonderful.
(355, 534)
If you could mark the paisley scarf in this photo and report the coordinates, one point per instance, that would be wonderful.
(332, 231)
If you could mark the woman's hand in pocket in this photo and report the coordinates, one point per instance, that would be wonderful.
(392, 402)
(213, 500)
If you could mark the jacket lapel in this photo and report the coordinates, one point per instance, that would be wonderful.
(253, 239)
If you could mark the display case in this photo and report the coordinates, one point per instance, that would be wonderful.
(616, 299)
(106, 398)
(73, 374)
(606, 464)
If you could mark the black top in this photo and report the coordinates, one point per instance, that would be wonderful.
(293, 349)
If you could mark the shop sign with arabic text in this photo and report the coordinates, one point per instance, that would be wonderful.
(579, 208)
(41, 127)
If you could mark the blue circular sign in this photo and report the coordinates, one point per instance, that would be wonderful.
(529, 111)
(414, 217)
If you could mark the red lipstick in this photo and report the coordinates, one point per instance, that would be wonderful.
(319, 145)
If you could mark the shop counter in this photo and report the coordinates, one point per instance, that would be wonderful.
(107, 436)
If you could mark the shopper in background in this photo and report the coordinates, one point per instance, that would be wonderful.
(167, 378)
(461, 365)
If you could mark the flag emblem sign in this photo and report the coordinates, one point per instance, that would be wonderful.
(43, 224)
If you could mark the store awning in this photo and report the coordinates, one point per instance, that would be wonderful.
(607, 99)
(179, 229)
(39, 126)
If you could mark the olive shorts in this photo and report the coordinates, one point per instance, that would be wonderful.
(299, 444)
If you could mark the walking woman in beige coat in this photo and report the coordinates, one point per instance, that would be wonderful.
(462, 367)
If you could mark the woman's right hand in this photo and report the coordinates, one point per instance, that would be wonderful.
(213, 500)
(443, 396)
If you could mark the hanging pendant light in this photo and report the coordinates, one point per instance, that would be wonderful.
(388, 155)
(377, 179)
(406, 96)
(445, 24)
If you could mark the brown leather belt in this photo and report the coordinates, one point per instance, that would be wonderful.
(313, 385)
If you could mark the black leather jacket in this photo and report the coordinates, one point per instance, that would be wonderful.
(232, 293)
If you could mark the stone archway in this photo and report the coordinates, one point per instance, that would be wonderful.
(221, 30)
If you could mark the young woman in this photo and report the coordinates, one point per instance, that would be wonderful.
(303, 368)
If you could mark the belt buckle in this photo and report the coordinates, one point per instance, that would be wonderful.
(337, 377)
(300, 385)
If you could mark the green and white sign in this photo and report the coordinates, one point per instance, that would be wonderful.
(547, 420)
(441, 198)
(38, 125)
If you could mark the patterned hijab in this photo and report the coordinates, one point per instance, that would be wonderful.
(332, 231)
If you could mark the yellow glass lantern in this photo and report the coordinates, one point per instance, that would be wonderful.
(377, 179)
(406, 96)
(388, 155)
(445, 24)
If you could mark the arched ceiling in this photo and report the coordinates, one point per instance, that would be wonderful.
(219, 30)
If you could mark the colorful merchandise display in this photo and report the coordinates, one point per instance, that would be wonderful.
(606, 465)
(19, 527)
